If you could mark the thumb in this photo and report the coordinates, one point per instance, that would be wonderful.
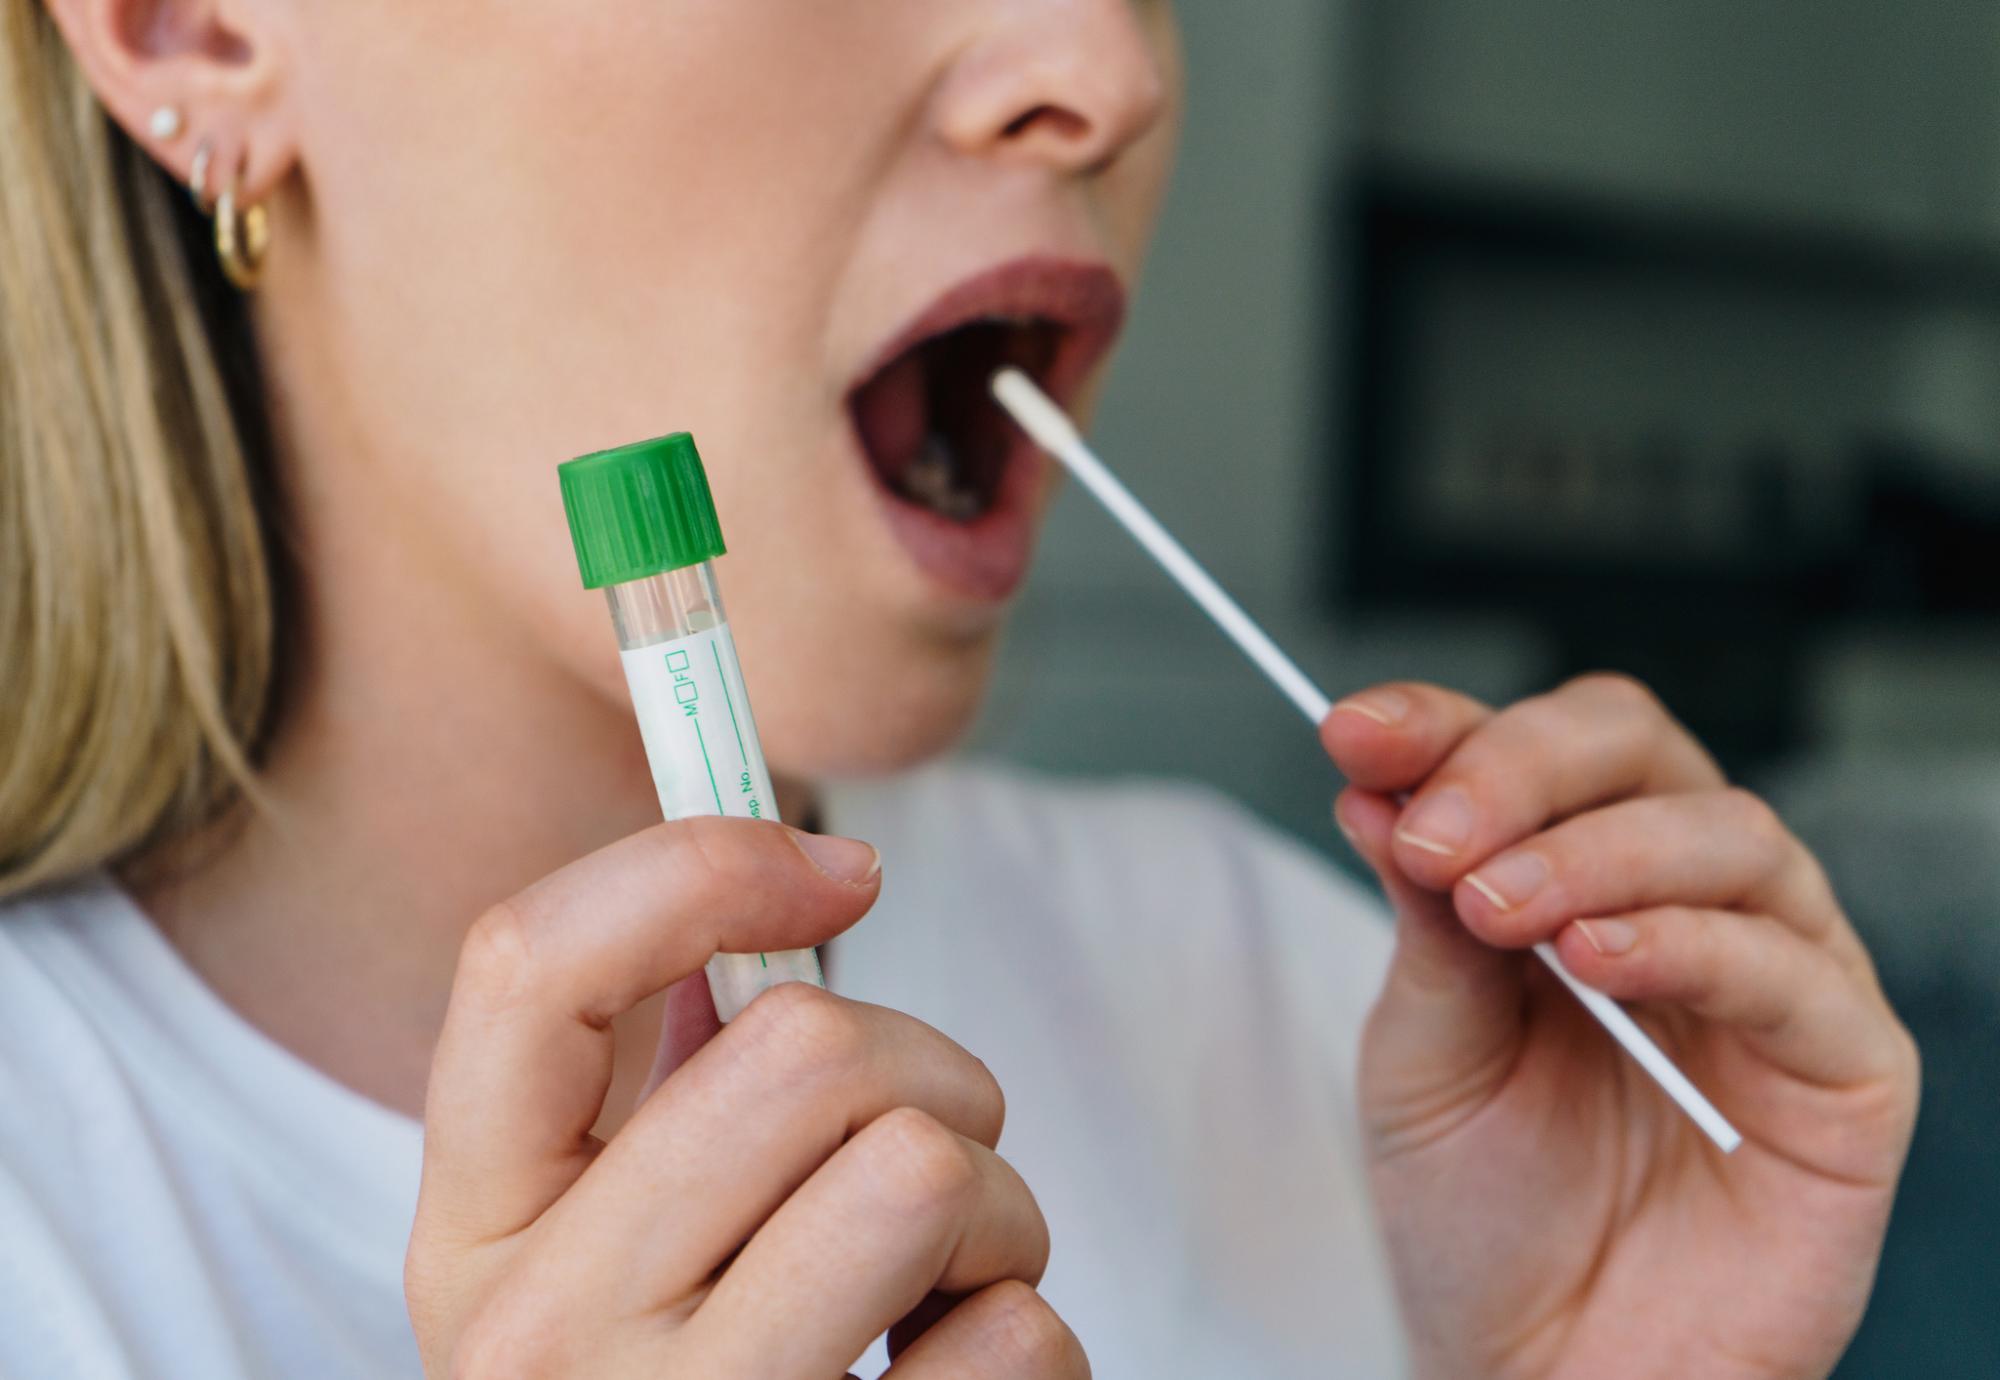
(1450, 1012)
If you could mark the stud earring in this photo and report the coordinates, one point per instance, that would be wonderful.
(166, 123)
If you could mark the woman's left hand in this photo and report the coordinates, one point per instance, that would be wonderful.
(1548, 1212)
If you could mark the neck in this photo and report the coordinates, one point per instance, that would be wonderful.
(425, 767)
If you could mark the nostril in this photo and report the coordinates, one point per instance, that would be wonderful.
(1064, 124)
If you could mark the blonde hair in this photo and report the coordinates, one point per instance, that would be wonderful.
(136, 592)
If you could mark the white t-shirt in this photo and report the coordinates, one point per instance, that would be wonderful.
(1169, 993)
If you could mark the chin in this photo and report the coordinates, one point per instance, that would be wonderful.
(886, 728)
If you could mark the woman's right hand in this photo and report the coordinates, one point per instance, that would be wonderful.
(814, 1175)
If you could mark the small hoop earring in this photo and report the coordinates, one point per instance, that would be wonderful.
(241, 238)
(204, 154)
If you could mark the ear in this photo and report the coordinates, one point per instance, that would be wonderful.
(217, 64)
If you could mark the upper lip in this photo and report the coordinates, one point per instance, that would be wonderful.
(1085, 299)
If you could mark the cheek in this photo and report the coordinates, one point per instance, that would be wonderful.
(554, 225)
(542, 229)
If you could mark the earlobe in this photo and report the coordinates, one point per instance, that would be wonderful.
(183, 76)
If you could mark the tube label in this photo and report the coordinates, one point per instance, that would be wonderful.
(695, 719)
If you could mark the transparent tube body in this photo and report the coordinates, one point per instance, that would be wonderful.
(701, 742)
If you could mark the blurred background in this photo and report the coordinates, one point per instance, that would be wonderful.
(1492, 344)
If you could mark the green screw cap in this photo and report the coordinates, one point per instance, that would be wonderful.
(640, 510)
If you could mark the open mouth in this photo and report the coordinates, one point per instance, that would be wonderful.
(927, 420)
(960, 487)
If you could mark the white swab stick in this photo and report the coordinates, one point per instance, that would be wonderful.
(1650, 1056)
(1053, 431)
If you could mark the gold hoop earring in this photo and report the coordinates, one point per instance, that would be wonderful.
(241, 238)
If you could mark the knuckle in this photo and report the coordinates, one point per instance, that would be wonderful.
(1423, 693)
(1530, 721)
(1617, 688)
(1029, 1333)
(428, 1312)
(1753, 816)
(481, 1354)
(1910, 1060)
(807, 1031)
(502, 1342)
(1903, 1056)
(990, 1112)
(920, 1161)
(426, 1287)
(1706, 949)
(498, 951)
(1702, 939)
(1891, 1097)
(701, 860)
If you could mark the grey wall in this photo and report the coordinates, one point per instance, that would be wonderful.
(1867, 112)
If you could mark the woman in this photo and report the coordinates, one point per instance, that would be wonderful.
(308, 729)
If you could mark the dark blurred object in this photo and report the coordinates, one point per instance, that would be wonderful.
(1666, 440)
(1932, 546)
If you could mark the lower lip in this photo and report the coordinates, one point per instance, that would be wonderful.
(984, 560)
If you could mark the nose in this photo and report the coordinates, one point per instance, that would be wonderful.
(1070, 84)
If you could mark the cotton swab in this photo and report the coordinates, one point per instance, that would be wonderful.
(1052, 430)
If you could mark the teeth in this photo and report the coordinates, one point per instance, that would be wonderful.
(932, 480)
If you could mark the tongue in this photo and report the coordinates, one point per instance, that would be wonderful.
(893, 415)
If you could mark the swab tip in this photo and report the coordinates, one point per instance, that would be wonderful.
(1037, 413)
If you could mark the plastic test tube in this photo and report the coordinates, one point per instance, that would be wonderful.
(644, 526)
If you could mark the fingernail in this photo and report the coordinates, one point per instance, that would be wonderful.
(1346, 829)
(848, 861)
(1512, 881)
(1385, 707)
(1441, 825)
(1609, 937)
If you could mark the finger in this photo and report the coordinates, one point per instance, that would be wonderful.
(905, 1207)
(1599, 739)
(1450, 1011)
(1782, 994)
(741, 1126)
(1390, 738)
(1718, 849)
(1006, 1331)
(524, 1059)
